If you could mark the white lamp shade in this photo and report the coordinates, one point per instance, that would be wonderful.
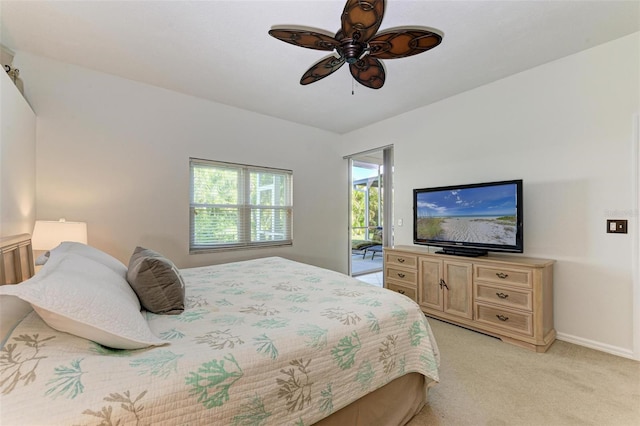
(48, 234)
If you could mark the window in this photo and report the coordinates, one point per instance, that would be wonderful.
(239, 206)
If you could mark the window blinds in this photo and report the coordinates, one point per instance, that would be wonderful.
(239, 206)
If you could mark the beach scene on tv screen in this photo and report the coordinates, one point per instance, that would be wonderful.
(485, 215)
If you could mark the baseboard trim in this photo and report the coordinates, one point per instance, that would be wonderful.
(603, 347)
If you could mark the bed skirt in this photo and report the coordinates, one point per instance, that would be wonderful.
(392, 405)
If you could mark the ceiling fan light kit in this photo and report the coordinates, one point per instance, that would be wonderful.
(358, 44)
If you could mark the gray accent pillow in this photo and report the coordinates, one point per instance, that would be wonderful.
(156, 281)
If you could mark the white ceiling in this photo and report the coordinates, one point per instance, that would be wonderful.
(220, 50)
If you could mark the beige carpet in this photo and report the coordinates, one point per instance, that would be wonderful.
(486, 382)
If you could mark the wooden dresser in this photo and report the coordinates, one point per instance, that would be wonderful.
(509, 297)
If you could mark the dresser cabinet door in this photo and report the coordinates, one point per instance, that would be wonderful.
(429, 289)
(458, 289)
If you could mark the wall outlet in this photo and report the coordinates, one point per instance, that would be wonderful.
(616, 226)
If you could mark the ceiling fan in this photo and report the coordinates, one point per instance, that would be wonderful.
(357, 44)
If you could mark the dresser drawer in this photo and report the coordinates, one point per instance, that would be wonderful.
(516, 277)
(401, 259)
(520, 299)
(410, 292)
(520, 322)
(403, 275)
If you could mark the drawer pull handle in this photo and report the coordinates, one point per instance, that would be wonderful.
(401, 275)
(502, 317)
(502, 275)
(400, 260)
(502, 295)
(401, 291)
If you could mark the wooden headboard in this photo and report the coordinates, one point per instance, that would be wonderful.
(16, 259)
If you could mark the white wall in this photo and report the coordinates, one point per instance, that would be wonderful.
(17, 161)
(115, 153)
(566, 129)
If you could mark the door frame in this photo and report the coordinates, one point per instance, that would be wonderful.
(635, 261)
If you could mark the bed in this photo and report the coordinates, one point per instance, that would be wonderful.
(259, 342)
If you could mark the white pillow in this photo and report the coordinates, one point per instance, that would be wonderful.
(90, 253)
(81, 296)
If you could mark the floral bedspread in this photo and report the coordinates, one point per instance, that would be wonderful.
(267, 341)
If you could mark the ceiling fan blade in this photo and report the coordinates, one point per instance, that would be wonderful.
(402, 43)
(369, 72)
(304, 38)
(321, 69)
(361, 19)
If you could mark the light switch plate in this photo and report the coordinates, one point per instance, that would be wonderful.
(616, 226)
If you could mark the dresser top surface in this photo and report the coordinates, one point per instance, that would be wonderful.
(491, 257)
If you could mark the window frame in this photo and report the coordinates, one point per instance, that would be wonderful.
(243, 206)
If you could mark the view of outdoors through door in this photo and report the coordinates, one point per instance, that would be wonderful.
(366, 220)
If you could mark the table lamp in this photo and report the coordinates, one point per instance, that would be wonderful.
(48, 234)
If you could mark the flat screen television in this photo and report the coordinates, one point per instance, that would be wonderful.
(470, 220)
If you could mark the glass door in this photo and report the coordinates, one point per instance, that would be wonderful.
(368, 208)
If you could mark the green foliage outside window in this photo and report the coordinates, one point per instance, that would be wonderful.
(359, 211)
